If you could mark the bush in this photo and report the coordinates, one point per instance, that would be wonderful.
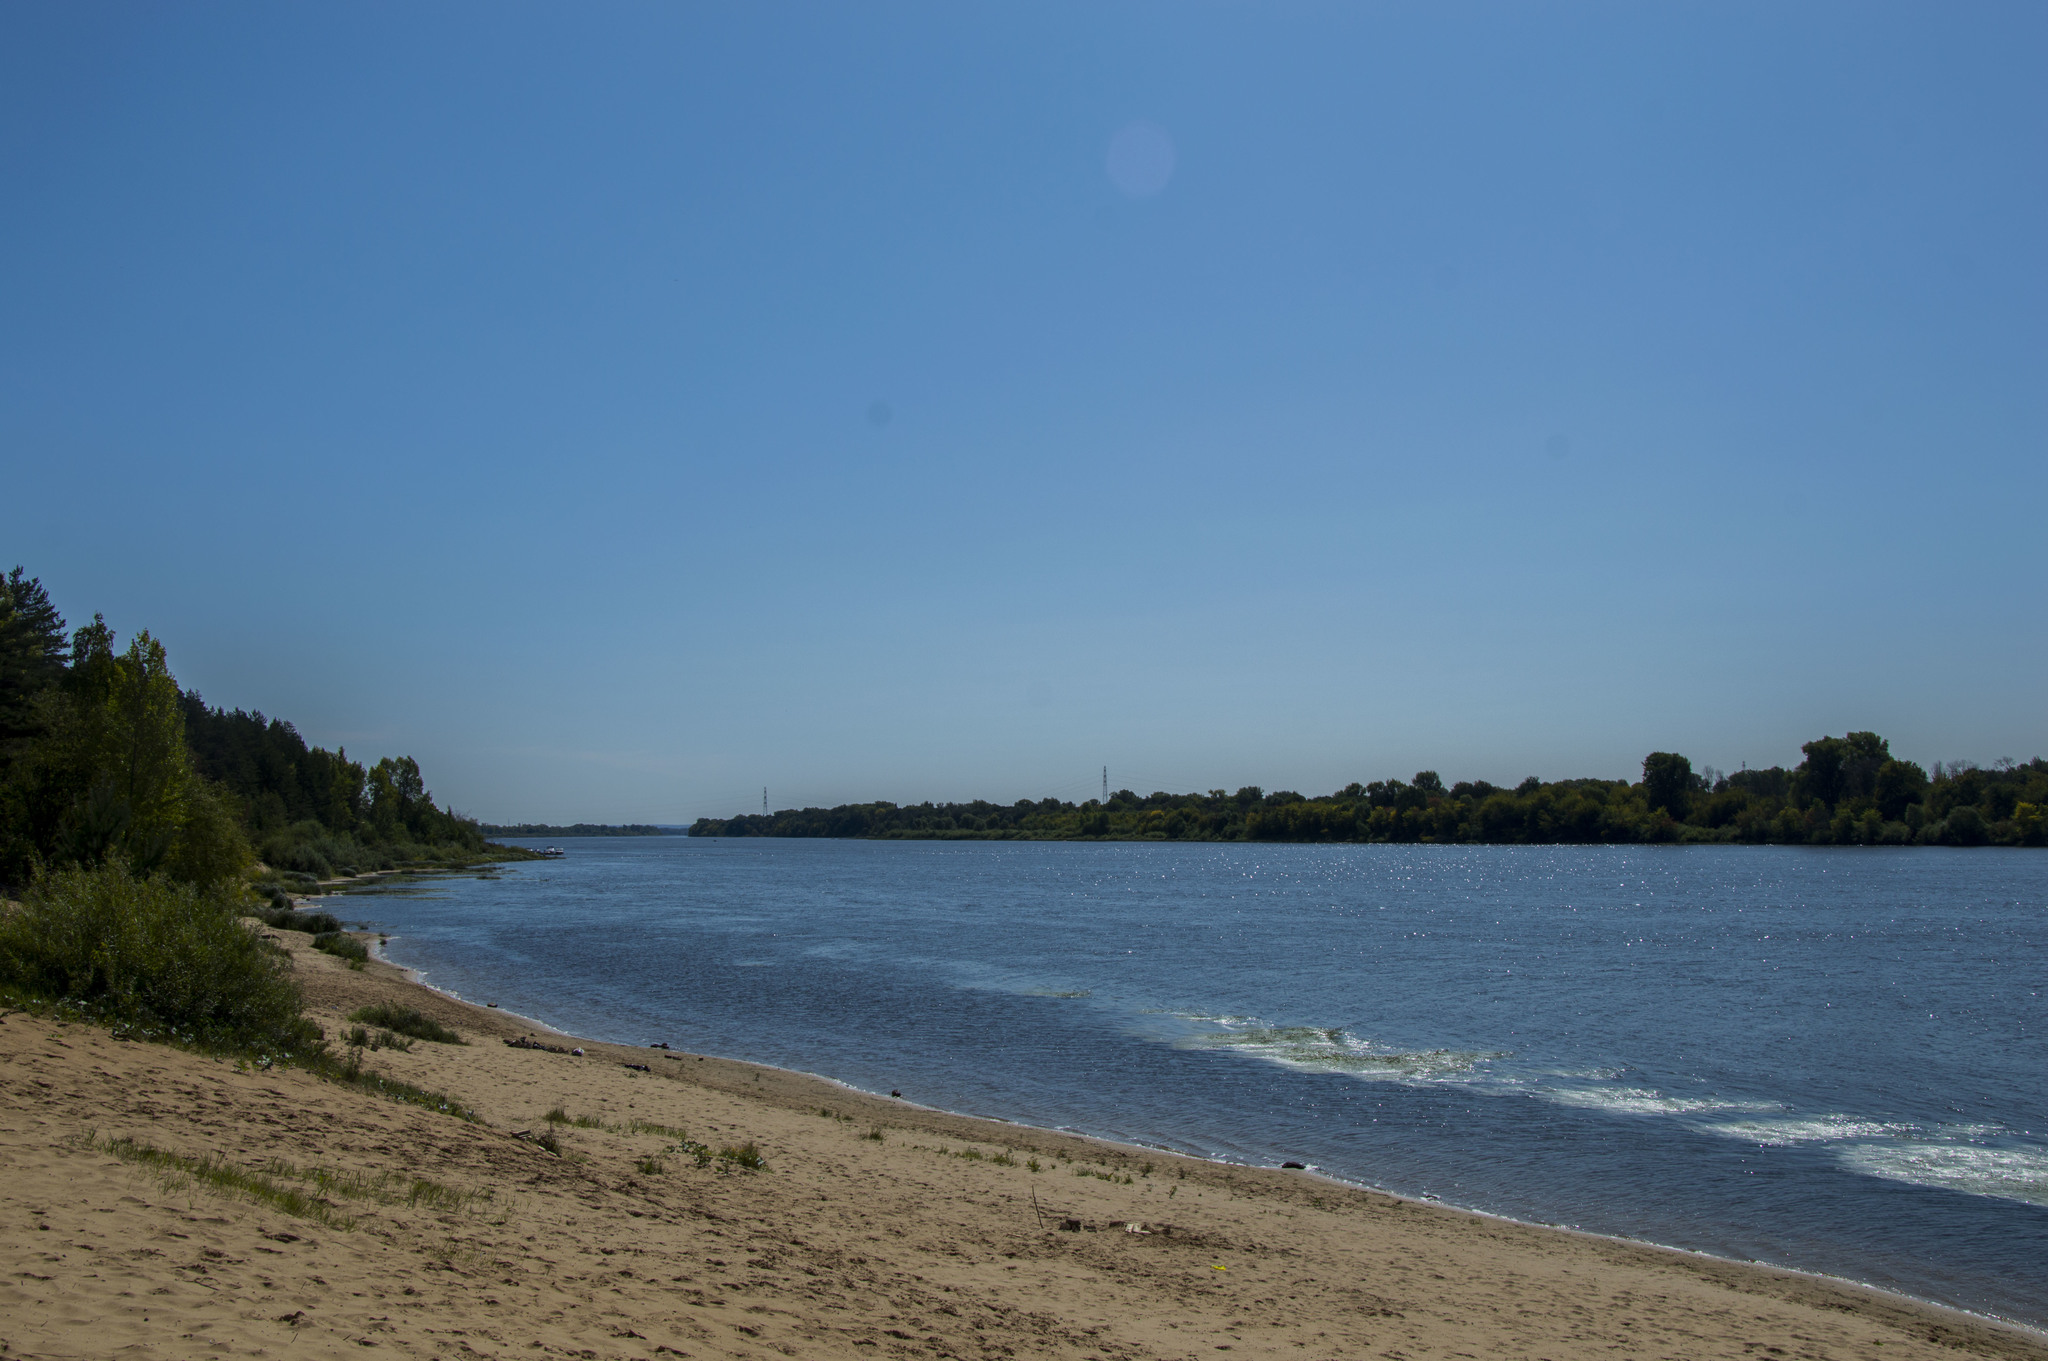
(405, 1021)
(305, 857)
(210, 847)
(285, 919)
(342, 945)
(156, 955)
(1965, 827)
(359, 1037)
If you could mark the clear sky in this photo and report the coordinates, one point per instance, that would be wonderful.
(624, 406)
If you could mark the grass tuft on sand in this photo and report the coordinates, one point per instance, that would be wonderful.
(313, 1198)
(178, 1169)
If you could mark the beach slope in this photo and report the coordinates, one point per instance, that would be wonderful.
(162, 1204)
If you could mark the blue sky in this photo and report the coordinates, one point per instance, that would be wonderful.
(622, 407)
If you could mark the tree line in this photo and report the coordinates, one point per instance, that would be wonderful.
(577, 829)
(105, 760)
(1847, 791)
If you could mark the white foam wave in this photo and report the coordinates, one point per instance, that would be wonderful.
(2012, 1173)
(1811, 1129)
(1331, 1050)
(1644, 1101)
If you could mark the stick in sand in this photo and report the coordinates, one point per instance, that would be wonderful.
(1035, 1210)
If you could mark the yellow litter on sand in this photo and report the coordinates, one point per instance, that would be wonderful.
(1214, 1267)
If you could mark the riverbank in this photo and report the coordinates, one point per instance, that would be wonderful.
(424, 1235)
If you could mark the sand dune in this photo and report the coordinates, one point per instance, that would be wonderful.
(423, 1235)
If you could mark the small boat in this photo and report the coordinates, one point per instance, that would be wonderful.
(552, 852)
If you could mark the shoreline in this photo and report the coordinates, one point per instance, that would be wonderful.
(417, 977)
(574, 1219)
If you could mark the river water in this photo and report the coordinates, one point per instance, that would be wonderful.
(1835, 1060)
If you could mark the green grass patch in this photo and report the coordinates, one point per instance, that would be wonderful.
(651, 1127)
(744, 1155)
(178, 1168)
(349, 1072)
(1002, 1157)
(405, 1021)
(386, 1188)
(651, 1167)
(1112, 1178)
(558, 1116)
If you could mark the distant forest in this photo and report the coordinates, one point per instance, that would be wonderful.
(104, 759)
(1848, 791)
(531, 829)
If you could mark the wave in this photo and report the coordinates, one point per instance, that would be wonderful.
(1646, 1101)
(1806, 1130)
(1330, 1049)
(2009, 1172)
(1951, 1157)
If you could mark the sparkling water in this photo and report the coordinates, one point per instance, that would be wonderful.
(1825, 1059)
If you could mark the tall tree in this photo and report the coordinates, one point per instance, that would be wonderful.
(1899, 784)
(32, 654)
(1820, 774)
(1667, 782)
(122, 736)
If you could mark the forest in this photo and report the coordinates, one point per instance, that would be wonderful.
(1846, 791)
(104, 759)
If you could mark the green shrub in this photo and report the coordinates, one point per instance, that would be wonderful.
(405, 1021)
(211, 847)
(286, 919)
(153, 954)
(343, 946)
(360, 1038)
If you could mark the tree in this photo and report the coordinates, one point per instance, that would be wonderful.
(1667, 782)
(31, 655)
(211, 847)
(1820, 774)
(1899, 785)
(117, 748)
(1843, 767)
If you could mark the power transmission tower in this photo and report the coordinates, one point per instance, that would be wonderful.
(764, 800)
(1105, 784)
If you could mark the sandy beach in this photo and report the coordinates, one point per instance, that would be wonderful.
(875, 1228)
